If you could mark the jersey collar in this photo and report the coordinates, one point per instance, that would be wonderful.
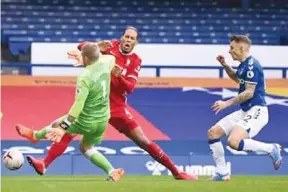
(248, 58)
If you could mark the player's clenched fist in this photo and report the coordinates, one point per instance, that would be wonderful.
(221, 60)
(117, 70)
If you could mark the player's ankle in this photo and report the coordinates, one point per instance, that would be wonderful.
(34, 135)
(111, 171)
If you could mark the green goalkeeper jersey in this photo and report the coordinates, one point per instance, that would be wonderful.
(92, 103)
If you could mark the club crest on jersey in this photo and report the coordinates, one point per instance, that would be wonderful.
(128, 62)
(250, 74)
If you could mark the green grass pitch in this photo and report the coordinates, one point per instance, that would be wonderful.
(141, 184)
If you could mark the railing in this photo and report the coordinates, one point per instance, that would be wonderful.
(158, 68)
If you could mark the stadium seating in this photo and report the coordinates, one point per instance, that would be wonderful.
(198, 22)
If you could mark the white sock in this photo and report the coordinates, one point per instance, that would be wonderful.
(257, 146)
(90, 152)
(218, 155)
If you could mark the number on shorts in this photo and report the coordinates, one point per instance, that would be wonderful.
(256, 114)
(247, 118)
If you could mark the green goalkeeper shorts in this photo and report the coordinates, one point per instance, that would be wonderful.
(90, 136)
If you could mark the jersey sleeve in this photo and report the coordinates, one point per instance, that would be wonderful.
(114, 43)
(133, 72)
(252, 74)
(82, 91)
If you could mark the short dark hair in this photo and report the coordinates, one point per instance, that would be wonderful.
(133, 28)
(241, 39)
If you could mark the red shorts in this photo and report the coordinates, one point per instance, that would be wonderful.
(122, 120)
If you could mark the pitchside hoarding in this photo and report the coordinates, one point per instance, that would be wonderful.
(128, 156)
(46, 56)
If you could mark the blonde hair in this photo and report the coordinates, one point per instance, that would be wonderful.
(241, 39)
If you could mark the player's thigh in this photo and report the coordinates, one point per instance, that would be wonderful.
(95, 137)
(227, 122)
(89, 140)
(254, 120)
(124, 122)
(75, 128)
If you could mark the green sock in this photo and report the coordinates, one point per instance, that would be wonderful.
(99, 160)
(41, 133)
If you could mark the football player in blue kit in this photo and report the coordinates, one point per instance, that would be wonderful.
(242, 125)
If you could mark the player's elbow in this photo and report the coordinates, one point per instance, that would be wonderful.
(235, 80)
(130, 86)
(130, 89)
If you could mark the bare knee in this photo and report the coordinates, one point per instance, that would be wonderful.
(236, 136)
(83, 148)
(215, 132)
(233, 142)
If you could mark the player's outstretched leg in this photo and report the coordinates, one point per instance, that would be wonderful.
(273, 150)
(34, 136)
(248, 145)
(157, 153)
(218, 154)
(100, 161)
(244, 143)
(56, 150)
(37, 164)
(26, 133)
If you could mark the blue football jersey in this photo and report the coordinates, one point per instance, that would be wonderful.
(250, 71)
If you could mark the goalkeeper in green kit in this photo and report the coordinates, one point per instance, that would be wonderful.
(90, 112)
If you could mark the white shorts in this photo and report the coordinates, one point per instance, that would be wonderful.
(252, 121)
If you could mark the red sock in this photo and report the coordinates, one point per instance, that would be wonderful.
(57, 149)
(158, 154)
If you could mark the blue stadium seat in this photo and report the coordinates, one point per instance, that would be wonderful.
(208, 22)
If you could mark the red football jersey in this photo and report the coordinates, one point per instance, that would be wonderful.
(131, 64)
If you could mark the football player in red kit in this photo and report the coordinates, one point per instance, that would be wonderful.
(121, 119)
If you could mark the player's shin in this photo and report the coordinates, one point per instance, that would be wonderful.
(218, 154)
(255, 146)
(159, 155)
(41, 134)
(57, 149)
(99, 160)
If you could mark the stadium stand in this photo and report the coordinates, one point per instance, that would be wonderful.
(199, 22)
